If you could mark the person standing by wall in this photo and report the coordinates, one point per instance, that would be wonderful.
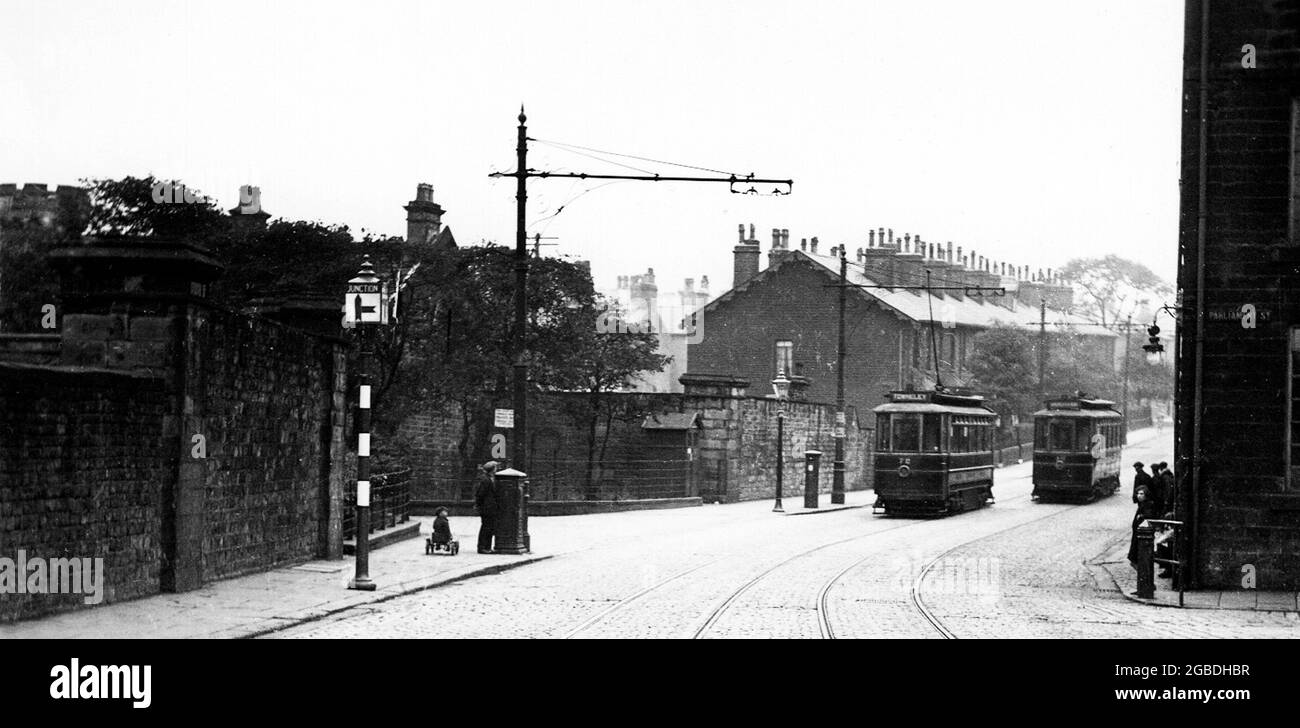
(485, 502)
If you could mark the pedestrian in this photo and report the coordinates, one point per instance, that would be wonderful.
(1156, 486)
(1167, 506)
(1146, 509)
(485, 500)
(1140, 479)
(1167, 490)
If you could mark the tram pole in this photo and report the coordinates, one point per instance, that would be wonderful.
(1128, 325)
(1042, 349)
(837, 478)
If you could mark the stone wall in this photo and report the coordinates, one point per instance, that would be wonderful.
(183, 442)
(84, 455)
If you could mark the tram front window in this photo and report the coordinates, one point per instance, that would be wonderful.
(906, 433)
(1060, 435)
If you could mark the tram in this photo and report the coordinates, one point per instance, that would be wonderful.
(1077, 447)
(934, 453)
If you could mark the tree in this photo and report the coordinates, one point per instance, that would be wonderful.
(602, 362)
(1004, 367)
(1111, 288)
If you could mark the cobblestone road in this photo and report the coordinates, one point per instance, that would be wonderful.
(1016, 569)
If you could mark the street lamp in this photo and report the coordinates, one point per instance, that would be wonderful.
(781, 390)
(364, 307)
(1153, 347)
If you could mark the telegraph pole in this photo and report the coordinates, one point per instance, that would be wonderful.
(837, 478)
(519, 348)
(1042, 349)
(1128, 324)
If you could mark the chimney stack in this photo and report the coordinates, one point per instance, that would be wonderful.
(745, 257)
(780, 246)
(423, 216)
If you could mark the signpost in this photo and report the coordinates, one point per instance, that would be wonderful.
(363, 308)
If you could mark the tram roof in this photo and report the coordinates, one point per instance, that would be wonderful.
(930, 407)
(936, 402)
(1078, 407)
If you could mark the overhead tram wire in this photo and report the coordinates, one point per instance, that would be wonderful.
(633, 156)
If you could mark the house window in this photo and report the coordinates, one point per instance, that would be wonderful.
(785, 357)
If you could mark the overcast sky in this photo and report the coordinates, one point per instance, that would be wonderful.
(1032, 131)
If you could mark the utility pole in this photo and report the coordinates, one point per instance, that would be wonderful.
(519, 350)
(1042, 349)
(537, 244)
(1128, 324)
(837, 477)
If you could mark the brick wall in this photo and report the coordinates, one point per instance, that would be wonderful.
(83, 458)
(1245, 506)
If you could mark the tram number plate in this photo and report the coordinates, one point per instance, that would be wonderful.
(969, 476)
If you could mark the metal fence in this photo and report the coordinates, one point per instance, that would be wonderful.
(567, 480)
(390, 502)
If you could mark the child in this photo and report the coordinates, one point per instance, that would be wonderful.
(441, 527)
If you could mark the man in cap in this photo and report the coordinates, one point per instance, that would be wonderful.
(485, 501)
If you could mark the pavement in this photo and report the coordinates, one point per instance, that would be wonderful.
(1016, 569)
(1115, 563)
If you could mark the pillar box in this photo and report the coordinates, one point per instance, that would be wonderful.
(811, 477)
(512, 513)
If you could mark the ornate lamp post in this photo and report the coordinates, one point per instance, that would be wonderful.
(364, 308)
(781, 390)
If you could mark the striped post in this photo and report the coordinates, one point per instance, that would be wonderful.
(362, 580)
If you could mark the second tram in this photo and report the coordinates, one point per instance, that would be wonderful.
(1077, 446)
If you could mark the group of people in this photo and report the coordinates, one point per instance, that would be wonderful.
(1155, 496)
(485, 502)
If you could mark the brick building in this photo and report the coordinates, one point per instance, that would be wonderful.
(786, 315)
(1238, 354)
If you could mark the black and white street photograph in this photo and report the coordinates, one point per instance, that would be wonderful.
(564, 320)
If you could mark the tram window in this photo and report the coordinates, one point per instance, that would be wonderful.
(1083, 436)
(1060, 435)
(906, 432)
(882, 433)
(931, 431)
(961, 439)
(1040, 434)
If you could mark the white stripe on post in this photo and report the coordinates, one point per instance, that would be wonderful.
(363, 493)
(365, 396)
(363, 444)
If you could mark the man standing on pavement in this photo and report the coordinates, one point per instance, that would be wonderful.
(485, 501)
(1140, 479)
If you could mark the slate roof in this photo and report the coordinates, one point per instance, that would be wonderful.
(915, 305)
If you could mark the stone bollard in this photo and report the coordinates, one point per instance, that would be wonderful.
(811, 478)
(1146, 577)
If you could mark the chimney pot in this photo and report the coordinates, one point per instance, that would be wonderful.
(871, 238)
(785, 238)
(813, 244)
(891, 236)
(803, 243)
(742, 232)
(752, 236)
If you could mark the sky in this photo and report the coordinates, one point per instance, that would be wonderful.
(1034, 131)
